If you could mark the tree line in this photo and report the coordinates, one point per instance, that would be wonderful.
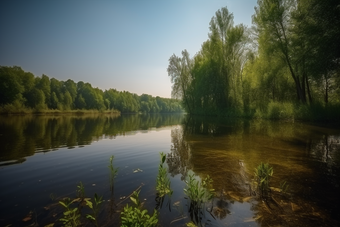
(286, 64)
(22, 90)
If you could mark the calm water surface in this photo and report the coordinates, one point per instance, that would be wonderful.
(42, 160)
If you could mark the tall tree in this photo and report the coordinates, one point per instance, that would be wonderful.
(273, 21)
(43, 84)
(10, 86)
(179, 70)
(316, 36)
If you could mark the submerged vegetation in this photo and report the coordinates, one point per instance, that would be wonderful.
(262, 176)
(286, 66)
(135, 215)
(199, 194)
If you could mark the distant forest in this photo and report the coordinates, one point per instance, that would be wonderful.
(287, 65)
(22, 92)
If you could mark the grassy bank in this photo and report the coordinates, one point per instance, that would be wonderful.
(17, 109)
(286, 111)
(289, 111)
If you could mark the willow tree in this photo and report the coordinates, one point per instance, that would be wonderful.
(179, 70)
(273, 21)
(211, 82)
(220, 24)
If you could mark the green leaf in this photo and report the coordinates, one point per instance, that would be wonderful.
(89, 216)
(62, 203)
(133, 200)
(89, 203)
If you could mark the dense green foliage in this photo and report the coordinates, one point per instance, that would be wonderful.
(23, 92)
(286, 66)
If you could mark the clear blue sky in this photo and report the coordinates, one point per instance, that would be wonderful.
(124, 45)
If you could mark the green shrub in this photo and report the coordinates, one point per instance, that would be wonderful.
(277, 110)
(14, 108)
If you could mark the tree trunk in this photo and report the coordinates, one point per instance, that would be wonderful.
(299, 91)
(326, 91)
(308, 91)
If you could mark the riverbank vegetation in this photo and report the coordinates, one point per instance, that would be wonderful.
(23, 93)
(286, 66)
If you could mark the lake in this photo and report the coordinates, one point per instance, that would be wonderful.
(43, 159)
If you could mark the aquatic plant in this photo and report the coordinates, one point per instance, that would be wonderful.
(162, 180)
(262, 176)
(52, 196)
(137, 216)
(199, 192)
(113, 171)
(80, 191)
(191, 224)
(71, 215)
(95, 208)
(284, 187)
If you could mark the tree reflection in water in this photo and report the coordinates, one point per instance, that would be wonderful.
(22, 136)
(307, 157)
(178, 159)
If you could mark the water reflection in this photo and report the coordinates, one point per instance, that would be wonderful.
(307, 157)
(22, 136)
(228, 150)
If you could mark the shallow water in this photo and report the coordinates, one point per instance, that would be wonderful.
(42, 160)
